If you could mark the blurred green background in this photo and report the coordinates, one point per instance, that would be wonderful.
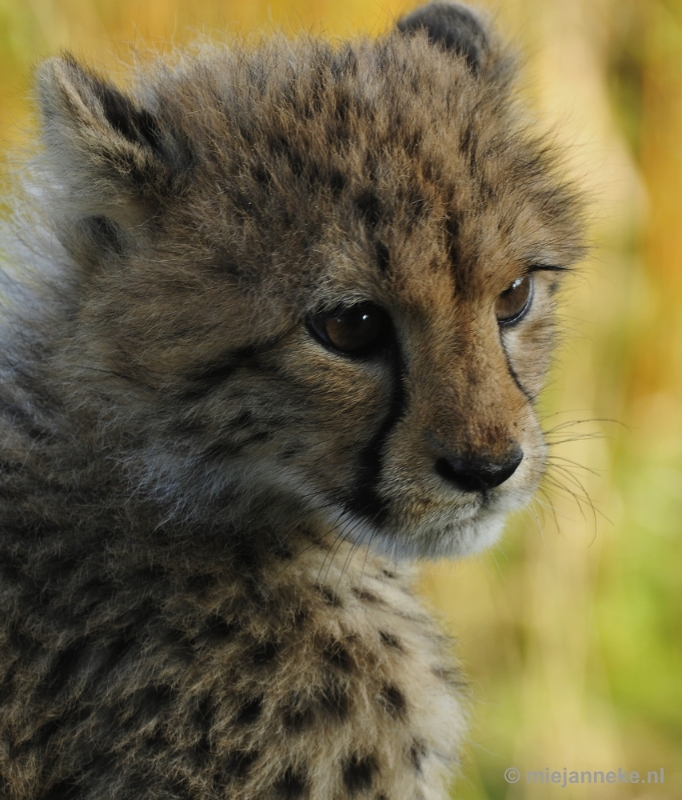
(571, 629)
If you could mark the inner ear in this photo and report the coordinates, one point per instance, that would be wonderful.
(138, 125)
(104, 144)
(453, 27)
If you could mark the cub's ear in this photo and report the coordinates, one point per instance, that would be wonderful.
(453, 27)
(103, 147)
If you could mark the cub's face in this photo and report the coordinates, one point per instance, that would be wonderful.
(321, 281)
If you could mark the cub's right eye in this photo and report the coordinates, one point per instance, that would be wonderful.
(358, 330)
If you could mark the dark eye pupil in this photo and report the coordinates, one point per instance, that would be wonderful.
(512, 304)
(355, 330)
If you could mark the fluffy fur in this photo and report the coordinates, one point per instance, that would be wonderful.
(194, 488)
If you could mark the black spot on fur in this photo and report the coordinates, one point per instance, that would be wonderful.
(290, 452)
(212, 374)
(449, 675)
(337, 182)
(383, 257)
(393, 700)
(156, 742)
(282, 147)
(298, 713)
(63, 790)
(453, 27)
(150, 704)
(452, 234)
(358, 773)
(92, 593)
(250, 711)
(363, 594)
(292, 785)
(330, 597)
(244, 419)
(203, 720)
(301, 617)
(262, 176)
(466, 138)
(280, 550)
(260, 436)
(200, 583)
(390, 640)
(218, 629)
(238, 764)
(264, 653)
(105, 234)
(64, 668)
(369, 207)
(221, 449)
(43, 735)
(337, 655)
(417, 754)
(21, 419)
(246, 558)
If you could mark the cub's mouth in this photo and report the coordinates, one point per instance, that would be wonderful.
(446, 531)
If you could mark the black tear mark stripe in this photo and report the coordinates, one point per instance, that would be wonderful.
(514, 375)
(364, 500)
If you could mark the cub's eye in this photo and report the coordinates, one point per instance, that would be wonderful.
(354, 330)
(513, 304)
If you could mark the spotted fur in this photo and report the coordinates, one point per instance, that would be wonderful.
(204, 509)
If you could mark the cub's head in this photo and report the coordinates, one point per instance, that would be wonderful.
(315, 281)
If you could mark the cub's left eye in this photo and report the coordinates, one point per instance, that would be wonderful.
(355, 330)
(513, 304)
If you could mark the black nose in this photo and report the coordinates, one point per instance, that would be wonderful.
(477, 473)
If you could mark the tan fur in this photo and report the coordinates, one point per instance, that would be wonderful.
(195, 491)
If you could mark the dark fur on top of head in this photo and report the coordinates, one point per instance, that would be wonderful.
(188, 464)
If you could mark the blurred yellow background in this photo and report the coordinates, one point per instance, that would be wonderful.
(571, 629)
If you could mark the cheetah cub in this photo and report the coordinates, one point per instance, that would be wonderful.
(274, 323)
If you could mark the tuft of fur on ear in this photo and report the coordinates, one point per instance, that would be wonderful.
(454, 27)
(104, 148)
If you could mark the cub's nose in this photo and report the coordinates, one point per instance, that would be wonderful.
(476, 473)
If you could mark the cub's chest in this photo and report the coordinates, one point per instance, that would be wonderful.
(339, 675)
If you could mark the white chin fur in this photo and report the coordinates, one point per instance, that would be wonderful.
(444, 538)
